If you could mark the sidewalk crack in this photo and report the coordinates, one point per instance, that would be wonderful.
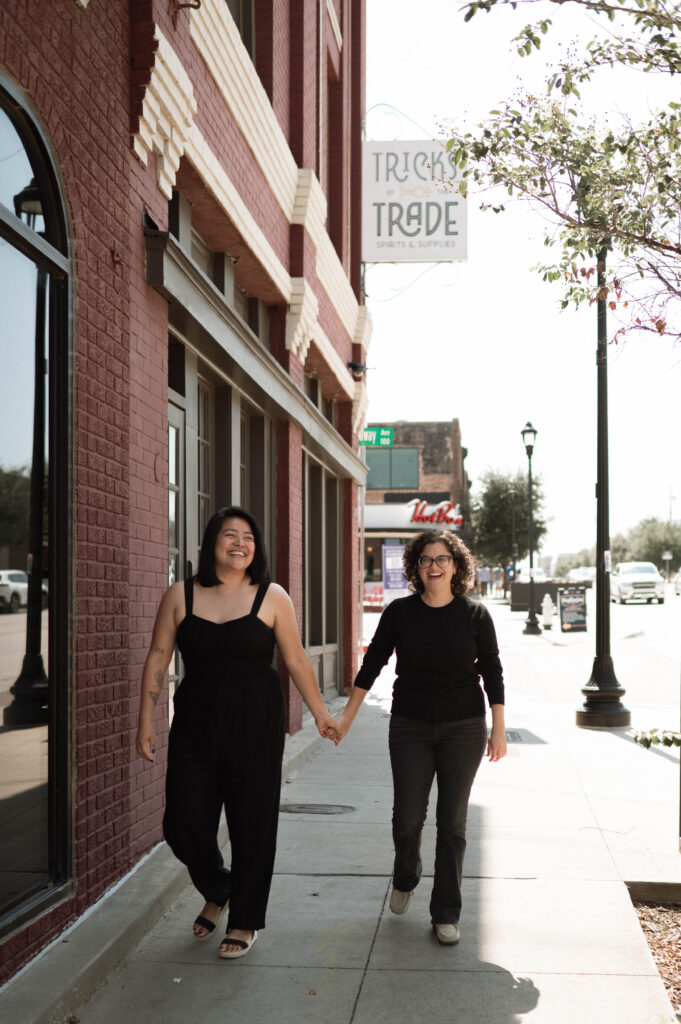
(371, 949)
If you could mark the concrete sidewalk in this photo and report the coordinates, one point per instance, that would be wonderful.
(549, 933)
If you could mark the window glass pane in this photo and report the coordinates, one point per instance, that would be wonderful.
(172, 519)
(405, 467)
(172, 455)
(378, 460)
(24, 824)
(17, 186)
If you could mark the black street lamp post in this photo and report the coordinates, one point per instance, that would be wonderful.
(602, 706)
(529, 435)
(30, 690)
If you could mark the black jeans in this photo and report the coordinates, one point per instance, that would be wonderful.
(419, 751)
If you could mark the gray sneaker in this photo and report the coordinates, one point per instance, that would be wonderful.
(399, 901)
(447, 934)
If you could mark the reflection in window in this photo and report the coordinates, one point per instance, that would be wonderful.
(242, 12)
(24, 848)
(35, 822)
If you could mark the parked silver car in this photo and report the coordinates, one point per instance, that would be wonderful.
(636, 581)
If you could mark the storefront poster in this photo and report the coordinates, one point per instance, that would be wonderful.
(394, 581)
(572, 609)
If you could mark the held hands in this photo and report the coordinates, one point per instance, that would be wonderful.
(496, 744)
(328, 727)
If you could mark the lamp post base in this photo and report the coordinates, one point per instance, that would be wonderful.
(30, 692)
(532, 627)
(602, 708)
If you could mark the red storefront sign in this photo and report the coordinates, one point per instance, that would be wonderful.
(443, 514)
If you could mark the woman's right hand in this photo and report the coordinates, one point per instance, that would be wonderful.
(146, 742)
(342, 727)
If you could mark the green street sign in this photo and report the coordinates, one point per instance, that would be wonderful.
(377, 437)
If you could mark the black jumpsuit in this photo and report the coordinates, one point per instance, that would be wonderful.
(225, 748)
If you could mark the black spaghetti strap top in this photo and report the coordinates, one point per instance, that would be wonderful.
(237, 649)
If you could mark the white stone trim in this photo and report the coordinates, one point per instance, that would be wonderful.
(219, 183)
(332, 277)
(360, 406)
(217, 39)
(168, 111)
(310, 205)
(333, 18)
(297, 191)
(334, 362)
(363, 328)
(301, 317)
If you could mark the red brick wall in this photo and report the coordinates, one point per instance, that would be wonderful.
(85, 72)
(51, 51)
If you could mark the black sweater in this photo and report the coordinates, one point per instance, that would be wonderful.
(441, 655)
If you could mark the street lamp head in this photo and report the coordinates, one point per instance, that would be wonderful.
(528, 434)
(29, 203)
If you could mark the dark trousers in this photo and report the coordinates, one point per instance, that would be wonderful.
(419, 751)
(227, 756)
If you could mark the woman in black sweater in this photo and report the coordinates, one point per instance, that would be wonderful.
(445, 642)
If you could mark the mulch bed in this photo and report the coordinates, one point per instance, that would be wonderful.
(661, 924)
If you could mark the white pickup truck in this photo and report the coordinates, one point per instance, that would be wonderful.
(636, 581)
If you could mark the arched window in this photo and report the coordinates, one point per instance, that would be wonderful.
(35, 490)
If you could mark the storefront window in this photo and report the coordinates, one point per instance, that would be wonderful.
(34, 502)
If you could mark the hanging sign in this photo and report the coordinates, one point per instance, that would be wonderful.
(412, 211)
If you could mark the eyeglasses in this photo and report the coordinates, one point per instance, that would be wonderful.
(442, 561)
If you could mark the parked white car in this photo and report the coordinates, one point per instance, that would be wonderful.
(677, 583)
(636, 581)
(14, 590)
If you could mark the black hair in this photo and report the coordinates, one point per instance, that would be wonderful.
(464, 563)
(206, 574)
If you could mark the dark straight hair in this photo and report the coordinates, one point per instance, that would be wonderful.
(206, 574)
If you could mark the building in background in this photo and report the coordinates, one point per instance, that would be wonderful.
(181, 268)
(418, 482)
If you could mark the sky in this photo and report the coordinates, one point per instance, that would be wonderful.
(485, 341)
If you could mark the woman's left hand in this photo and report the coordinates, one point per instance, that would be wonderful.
(496, 744)
(326, 725)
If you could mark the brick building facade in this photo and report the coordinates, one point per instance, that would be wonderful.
(417, 482)
(179, 208)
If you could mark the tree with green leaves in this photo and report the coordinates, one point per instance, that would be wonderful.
(501, 513)
(599, 182)
(651, 537)
(587, 556)
(15, 500)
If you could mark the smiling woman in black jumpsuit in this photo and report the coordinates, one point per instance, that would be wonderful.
(227, 736)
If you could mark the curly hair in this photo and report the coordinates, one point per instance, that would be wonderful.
(464, 563)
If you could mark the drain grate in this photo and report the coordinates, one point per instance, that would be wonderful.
(315, 808)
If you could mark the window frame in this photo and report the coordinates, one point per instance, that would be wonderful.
(50, 251)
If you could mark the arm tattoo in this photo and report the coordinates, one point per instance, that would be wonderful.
(159, 650)
(159, 676)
